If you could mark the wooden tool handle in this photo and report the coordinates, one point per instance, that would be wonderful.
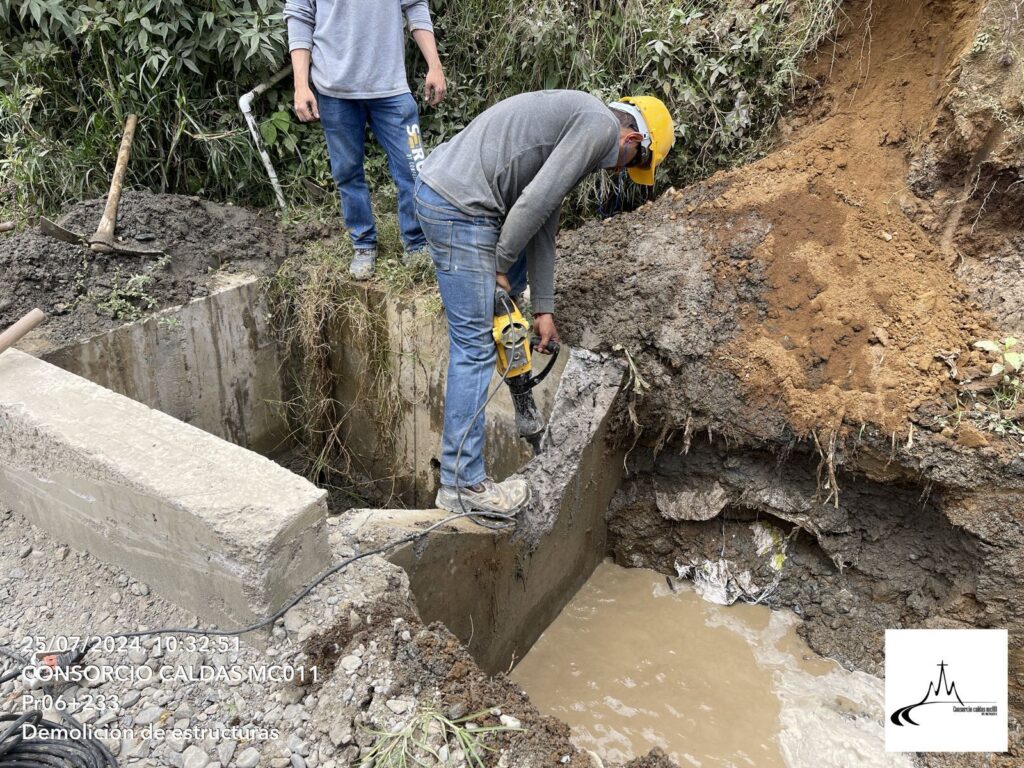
(13, 334)
(104, 237)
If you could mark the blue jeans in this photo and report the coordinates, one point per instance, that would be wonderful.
(395, 122)
(462, 247)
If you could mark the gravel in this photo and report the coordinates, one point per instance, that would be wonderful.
(48, 590)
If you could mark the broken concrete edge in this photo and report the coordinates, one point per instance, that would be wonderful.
(213, 527)
(213, 363)
(498, 591)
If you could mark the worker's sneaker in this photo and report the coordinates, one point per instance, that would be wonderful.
(416, 257)
(504, 498)
(363, 262)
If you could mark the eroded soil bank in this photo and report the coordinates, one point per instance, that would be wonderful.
(803, 356)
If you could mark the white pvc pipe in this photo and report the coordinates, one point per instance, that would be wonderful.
(245, 104)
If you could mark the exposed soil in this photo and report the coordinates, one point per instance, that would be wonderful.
(883, 557)
(402, 662)
(799, 336)
(84, 293)
(838, 307)
(967, 170)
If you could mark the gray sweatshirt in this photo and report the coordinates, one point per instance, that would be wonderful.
(358, 46)
(517, 161)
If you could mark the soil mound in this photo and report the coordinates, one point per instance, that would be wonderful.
(86, 293)
(799, 285)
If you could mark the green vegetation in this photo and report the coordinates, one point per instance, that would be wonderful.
(315, 306)
(993, 399)
(70, 72)
(129, 299)
(431, 736)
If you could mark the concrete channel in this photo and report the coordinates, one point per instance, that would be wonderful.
(144, 446)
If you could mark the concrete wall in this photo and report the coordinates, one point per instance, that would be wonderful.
(212, 363)
(213, 527)
(416, 340)
(498, 593)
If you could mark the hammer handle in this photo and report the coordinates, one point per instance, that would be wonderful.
(104, 236)
(13, 334)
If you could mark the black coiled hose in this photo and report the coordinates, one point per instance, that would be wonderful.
(29, 741)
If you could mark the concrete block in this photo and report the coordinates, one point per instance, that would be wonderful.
(213, 363)
(215, 528)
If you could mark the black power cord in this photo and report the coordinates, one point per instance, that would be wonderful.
(31, 741)
(52, 744)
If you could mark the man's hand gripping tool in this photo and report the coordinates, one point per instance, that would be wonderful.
(515, 355)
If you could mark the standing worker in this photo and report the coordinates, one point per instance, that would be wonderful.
(489, 201)
(348, 60)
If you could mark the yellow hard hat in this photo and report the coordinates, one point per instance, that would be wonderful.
(655, 124)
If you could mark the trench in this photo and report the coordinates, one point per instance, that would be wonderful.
(712, 684)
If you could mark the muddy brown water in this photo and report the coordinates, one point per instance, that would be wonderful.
(631, 664)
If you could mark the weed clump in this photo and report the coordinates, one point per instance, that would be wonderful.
(323, 317)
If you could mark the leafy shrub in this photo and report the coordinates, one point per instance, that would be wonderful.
(70, 73)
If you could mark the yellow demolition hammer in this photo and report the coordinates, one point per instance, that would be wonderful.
(515, 355)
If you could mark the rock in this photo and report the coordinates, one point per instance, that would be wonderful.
(226, 750)
(16, 573)
(693, 499)
(25, 551)
(249, 758)
(398, 706)
(298, 761)
(340, 734)
(140, 589)
(175, 741)
(970, 436)
(510, 722)
(350, 663)
(148, 715)
(195, 757)
(293, 620)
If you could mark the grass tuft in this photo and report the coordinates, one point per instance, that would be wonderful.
(429, 736)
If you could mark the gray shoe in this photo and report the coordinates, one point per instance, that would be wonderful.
(363, 262)
(416, 257)
(504, 498)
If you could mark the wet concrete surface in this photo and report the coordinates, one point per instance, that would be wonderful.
(632, 663)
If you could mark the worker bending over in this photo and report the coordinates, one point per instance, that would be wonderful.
(488, 202)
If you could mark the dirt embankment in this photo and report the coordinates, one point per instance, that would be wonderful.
(814, 294)
(85, 293)
(800, 335)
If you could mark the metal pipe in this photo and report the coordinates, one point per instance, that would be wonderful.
(13, 335)
(245, 104)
